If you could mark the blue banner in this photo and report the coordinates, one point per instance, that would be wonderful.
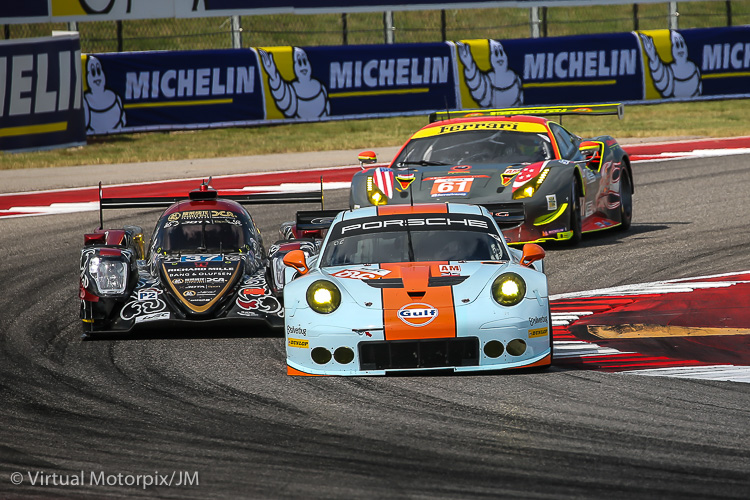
(135, 91)
(40, 93)
(563, 70)
(693, 64)
(315, 83)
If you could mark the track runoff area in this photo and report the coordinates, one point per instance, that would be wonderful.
(610, 330)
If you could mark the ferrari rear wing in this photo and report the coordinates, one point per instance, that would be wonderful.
(577, 109)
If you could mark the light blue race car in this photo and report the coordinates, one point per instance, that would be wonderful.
(415, 288)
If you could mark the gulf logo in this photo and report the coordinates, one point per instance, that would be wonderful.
(417, 314)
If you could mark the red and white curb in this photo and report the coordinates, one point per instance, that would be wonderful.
(714, 304)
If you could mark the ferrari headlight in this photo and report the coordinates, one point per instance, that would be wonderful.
(532, 186)
(111, 276)
(374, 195)
(508, 289)
(323, 297)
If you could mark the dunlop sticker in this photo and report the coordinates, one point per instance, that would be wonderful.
(302, 343)
(537, 332)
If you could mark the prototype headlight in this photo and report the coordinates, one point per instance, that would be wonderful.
(532, 186)
(111, 276)
(374, 195)
(323, 297)
(508, 289)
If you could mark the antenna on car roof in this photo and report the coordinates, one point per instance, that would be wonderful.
(447, 109)
(101, 212)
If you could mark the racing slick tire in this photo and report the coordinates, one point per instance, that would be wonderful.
(626, 201)
(574, 212)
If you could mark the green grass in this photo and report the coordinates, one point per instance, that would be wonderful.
(702, 119)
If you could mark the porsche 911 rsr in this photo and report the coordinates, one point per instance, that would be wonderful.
(205, 267)
(540, 181)
(416, 288)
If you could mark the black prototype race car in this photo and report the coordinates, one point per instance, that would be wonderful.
(540, 181)
(205, 265)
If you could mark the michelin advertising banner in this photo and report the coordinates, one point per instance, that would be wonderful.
(130, 92)
(138, 91)
(178, 90)
(40, 93)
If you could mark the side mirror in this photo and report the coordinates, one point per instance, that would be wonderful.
(531, 253)
(367, 157)
(592, 153)
(296, 259)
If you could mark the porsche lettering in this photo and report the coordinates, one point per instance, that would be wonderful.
(428, 221)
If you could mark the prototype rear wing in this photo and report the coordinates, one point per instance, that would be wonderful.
(578, 109)
(207, 193)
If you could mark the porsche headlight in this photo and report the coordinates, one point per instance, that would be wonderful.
(323, 297)
(508, 289)
(374, 195)
(532, 186)
(111, 276)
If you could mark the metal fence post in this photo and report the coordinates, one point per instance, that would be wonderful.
(344, 29)
(442, 25)
(118, 25)
(236, 33)
(6, 31)
(534, 21)
(673, 15)
(635, 17)
(72, 26)
(729, 12)
(388, 26)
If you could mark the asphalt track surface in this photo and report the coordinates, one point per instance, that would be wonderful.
(220, 403)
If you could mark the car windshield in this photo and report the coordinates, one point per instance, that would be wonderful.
(411, 244)
(208, 231)
(477, 146)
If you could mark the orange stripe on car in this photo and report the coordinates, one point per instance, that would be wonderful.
(426, 208)
(294, 371)
(417, 311)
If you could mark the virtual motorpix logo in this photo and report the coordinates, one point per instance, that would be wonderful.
(101, 478)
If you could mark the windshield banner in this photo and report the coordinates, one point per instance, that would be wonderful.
(40, 93)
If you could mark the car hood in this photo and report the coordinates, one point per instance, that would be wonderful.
(401, 283)
(200, 285)
(492, 181)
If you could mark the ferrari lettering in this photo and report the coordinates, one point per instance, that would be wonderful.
(580, 64)
(389, 72)
(446, 129)
(201, 82)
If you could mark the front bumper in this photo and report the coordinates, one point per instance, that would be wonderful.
(367, 352)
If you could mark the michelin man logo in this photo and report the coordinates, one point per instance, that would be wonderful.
(304, 97)
(500, 87)
(681, 77)
(103, 108)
